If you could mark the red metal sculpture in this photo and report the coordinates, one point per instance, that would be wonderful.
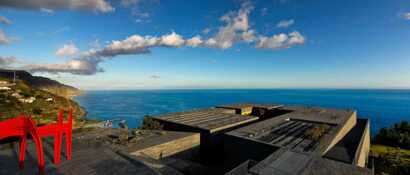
(57, 130)
(19, 127)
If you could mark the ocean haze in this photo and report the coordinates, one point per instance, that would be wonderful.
(382, 107)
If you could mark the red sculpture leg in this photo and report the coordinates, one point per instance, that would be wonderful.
(68, 136)
(58, 137)
(57, 148)
(22, 146)
(69, 144)
(37, 141)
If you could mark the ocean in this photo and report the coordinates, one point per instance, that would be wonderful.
(382, 107)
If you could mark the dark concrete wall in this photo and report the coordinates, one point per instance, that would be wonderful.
(170, 126)
(238, 150)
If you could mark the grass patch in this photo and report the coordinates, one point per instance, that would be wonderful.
(383, 149)
(391, 160)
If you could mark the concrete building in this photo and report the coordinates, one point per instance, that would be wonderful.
(277, 139)
(300, 140)
(211, 123)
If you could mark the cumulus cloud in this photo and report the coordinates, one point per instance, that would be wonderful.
(236, 24)
(6, 61)
(194, 41)
(172, 40)
(280, 41)
(136, 44)
(87, 5)
(67, 50)
(4, 39)
(285, 23)
(406, 16)
(236, 29)
(75, 66)
(4, 20)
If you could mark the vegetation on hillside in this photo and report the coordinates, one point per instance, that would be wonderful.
(391, 150)
(391, 160)
(41, 83)
(397, 136)
(43, 106)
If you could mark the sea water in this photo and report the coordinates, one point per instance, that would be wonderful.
(382, 107)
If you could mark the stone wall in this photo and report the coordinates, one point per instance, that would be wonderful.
(170, 148)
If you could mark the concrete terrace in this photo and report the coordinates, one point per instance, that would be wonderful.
(285, 162)
(289, 130)
(94, 152)
(205, 120)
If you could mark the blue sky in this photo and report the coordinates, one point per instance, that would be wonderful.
(154, 44)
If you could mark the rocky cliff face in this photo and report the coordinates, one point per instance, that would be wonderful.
(36, 96)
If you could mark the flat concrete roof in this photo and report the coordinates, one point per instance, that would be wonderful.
(248, 105)
(288, 130)
(210, 119)
(282, 162)
(318, 114)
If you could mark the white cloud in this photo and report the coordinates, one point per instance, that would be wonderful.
(194, 41)
(172, 40)
(67, 50)
(127, 3)
(236, 29)
(4, 20)
(4, 39)
(248, 36)
(136, 44)
(75, 66)
(406, 16)
(5, 61)
(237, 23)
(285, 23)
(280, 41)
(87, 5)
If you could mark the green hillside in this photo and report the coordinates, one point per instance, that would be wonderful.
(42, 105)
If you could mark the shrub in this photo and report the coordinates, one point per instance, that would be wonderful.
(316, 132)
(150, 124)
(37, 111)
(397, 135)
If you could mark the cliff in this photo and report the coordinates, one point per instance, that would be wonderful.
(42, 83)
(36, 96)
